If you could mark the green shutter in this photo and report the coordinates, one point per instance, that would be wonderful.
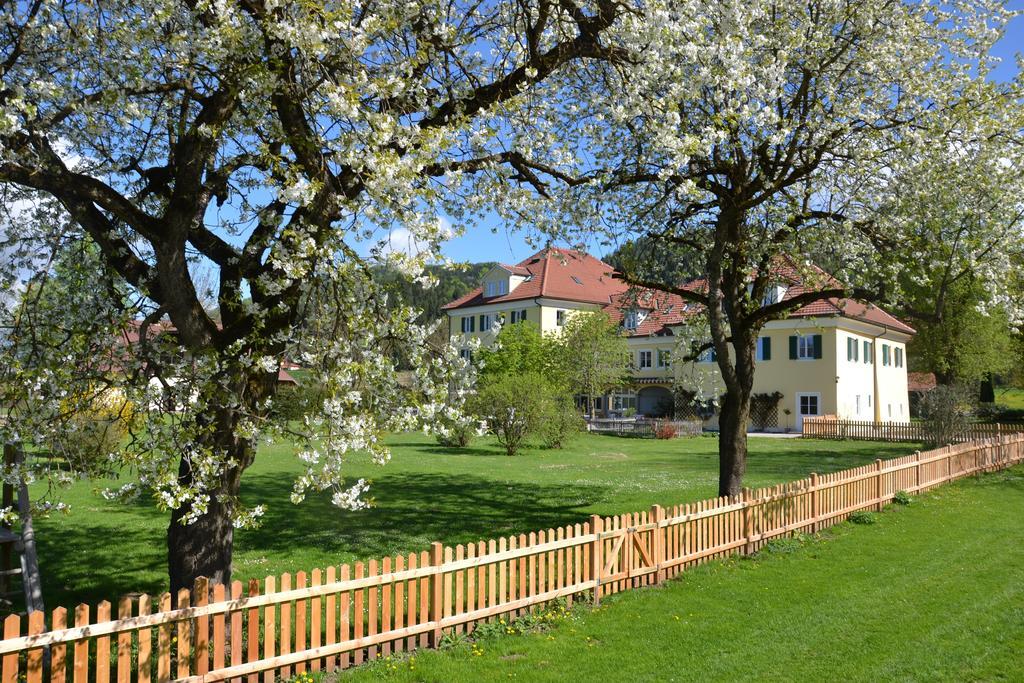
(766, 348)
(849, 348)
(792, 348)
(817, 346)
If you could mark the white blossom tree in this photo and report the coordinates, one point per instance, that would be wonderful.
(254, 145)
(860, 135)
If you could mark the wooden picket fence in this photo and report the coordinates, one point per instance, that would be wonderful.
(346, 615)
(829, 427)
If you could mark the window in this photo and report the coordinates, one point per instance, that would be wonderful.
(468, 324)
(632, 320)
(805, 347)
(886, 356)
(664, 358)
(576, 280)
(764, 348)
(622, 401)
(486, 321)
(857, 404)
(518, 316)
(466, 355)
(644, 359)
(851, 349)
(890, 410)
(559, 318)
(869, 352)
(808, 404)
(869, 400)
(707, 356)
(598, 402)
(495, 288)
(774, 295)
(898, 356)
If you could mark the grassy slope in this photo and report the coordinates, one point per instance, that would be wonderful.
(425, 493)
(933, 592)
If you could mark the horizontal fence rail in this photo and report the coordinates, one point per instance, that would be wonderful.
(827, 427)
(343, 616)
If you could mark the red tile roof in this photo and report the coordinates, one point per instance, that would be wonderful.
(570, 275)
(921, 381)
(554, 273)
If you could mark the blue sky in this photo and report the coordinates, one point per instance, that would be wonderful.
(494, 243)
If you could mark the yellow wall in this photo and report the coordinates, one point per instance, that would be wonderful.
(543, 314)
(838, 381)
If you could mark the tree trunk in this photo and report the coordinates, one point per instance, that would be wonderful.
(987, 392)
(732, 443)
(204, 546)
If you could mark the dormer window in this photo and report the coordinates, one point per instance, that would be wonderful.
(633, 319)
(495, 288)
(774, 295)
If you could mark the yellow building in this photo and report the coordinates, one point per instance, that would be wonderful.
(833, 357)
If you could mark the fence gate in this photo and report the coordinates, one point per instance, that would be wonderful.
(629, 551)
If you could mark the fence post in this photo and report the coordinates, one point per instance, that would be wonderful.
(879, 484)
(596, 560)
(748, 520)
(814, 502)
(658, 543)
(437, 597)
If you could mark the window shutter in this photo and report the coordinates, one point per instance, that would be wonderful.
(817, 346)
(792, 347)
(849, 348)
(766, 348)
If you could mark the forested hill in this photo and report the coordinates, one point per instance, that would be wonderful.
(452, 283)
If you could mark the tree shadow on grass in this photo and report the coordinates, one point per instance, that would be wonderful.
(102, 561)
(409, 512)
(439, 450)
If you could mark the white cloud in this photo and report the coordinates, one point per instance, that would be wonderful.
(401, 241)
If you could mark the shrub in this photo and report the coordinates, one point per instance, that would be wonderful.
(95, 431)
(295, 401)
(457, 434)
(863, 517)
(513, 406)
(664, 429)
(947, 413)
(902, 498)
(560, 422)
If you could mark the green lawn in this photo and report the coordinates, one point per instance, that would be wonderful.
(426, 493)
(931, 592)
(1010, 397)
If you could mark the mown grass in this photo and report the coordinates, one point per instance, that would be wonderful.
(1010, 397)
(930, 592)
(426, 493)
